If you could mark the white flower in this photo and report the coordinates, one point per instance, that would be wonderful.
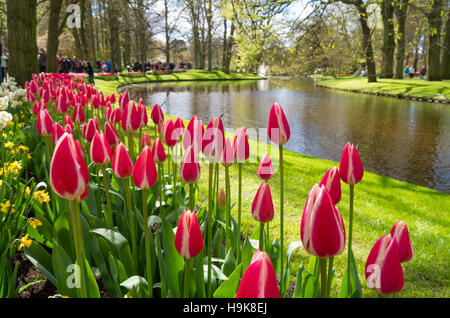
(5, 117)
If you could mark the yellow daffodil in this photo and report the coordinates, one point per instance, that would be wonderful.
(24, 241)
(35, 223)
(1, 181)
(41, 196)
(5, 207)
(4, 136)
(28, 156)
(14, 167)
(27, 191)
(9, 145)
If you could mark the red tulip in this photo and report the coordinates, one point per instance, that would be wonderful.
(265, 169)
(116, 116)
(122, 165)
(146, 141)
(123, 100)
(350, 167)
(278, 127)
(400, 232)
(69, 175)
(188, 237)
(178, 128)
(240, 145)
(214, 139)
(159, 155)
(190, 168)
(91, 128)
(157, 114)
(227, 159)
(46, 96)
(111, 134)
(81, 148)
(259, 280)
(262, 207)
(61, 104)
(142, 111)
(322, 229)
(112, 98)
(130, 118)
(68, 121)
(332, 181)
(100, 149)
(168, 134)
(144, 170)
(194, 134)
(95, 101)
(57, 132)
(383, 270)
(108, 111)
(44, 123)
(78, 114)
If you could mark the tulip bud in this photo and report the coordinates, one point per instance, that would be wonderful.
(61, 104)
(68, 121)
(57, 132)
(95, 101)
(178, 128)
(123, 100)
(259, 280)
(142, 111)
(265, 169)
(190, 168)
(44, 123)
(78, 114)
(188, 237)
(240, 145)
(159, 155)
(221, 198)
(122, 165)
(278, 127)
(214, 139)
(194, 134)
(400, 232)
(130, 118)
(167, 132)
(146, 141)
(100, 149)
(262, 207)
(322, 229)
(116, 116)
(227, 159)
(144, 170)
(91, 128)
(69, 175)
(350, 167)
(111, 134)
(157, 114)
(383, 270)
(332, 181)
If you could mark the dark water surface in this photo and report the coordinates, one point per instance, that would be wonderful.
(405, 140)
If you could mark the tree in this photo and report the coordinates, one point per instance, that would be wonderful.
(401, 12)
(366, 40)
(113, 16)
(387, 12)
(434, 72)
(446, 55)
(21, 20)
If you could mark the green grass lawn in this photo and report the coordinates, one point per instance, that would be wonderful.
(406, 87)
(379, 203)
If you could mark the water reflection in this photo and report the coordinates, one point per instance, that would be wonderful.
(406, 140)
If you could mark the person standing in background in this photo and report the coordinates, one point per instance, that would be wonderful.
(4, 66)
(42, 61)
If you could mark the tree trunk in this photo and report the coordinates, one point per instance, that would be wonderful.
(225, 45)
(367, 42)
(401, 12)
(21, 19)
(446, 55)
(229, 47)
(116, 56)
(209, 20)
(166, 30)
(387, 11)
(89, 29)
(84, 45)
(126, 34)
(434, 72)
(53, 35)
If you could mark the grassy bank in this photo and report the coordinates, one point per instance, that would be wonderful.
(379, 202)
(407, 88)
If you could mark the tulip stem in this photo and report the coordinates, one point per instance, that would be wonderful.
(187, 274)
(323, 276)
(174, 179)
(148, 261)
(79, 246)
(261, 236)
(162, 187)
(108, 214)
(349, 249)
(191, 196)
(227, 205)
(210, 211)
(238, 239)
(330, 274)
(126, 187)
(131, 145)
(281, 220)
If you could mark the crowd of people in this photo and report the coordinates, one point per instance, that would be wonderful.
(410, 72)
(158, 66)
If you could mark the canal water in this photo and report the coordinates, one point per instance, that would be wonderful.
(402, 139)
